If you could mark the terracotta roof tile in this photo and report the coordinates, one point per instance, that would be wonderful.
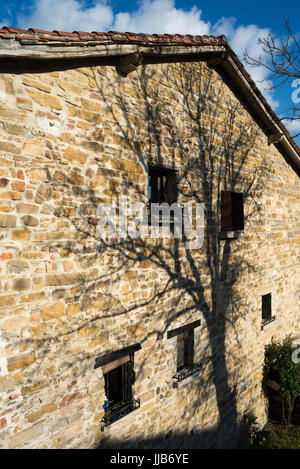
(99, 33)
(65, 33)
(14, 30)
(34, 30)
(84, 33)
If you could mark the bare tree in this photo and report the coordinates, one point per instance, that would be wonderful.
(282, 60)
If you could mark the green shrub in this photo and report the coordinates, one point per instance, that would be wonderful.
(278, 360)
(282, 438)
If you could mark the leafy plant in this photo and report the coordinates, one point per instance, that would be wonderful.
(282, 438)
(254, 434)
(279, 363)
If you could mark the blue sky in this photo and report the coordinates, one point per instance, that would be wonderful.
(243, 22)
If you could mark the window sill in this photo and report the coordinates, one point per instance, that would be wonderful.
(229, 234)
(186, 375)
(267, 322)
(116, 415)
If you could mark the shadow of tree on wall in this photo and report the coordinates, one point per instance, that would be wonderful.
(196, 122)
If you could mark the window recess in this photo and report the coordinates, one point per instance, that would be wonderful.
(232, 211)
(185, 365)
(163, 192)
(266, 310)
(162, 185)
(119, 377)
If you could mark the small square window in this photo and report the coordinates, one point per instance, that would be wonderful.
(232, 211)
(162, 189)
(162, 186)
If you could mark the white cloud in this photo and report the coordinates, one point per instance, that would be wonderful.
(151, 16)
(161, 16)
(245, 38)
(292, 126)
(67, 15)
(224, 26)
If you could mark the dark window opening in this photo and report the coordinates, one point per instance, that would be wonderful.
(162, 189)
(119, 377)
(185, 349)
(266, 307)
(232, 211)
(115, 384)
(162, 186)
(185, 365)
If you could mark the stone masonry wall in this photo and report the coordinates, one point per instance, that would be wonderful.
(72, 139)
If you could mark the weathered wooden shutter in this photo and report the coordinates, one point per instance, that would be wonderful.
(237, 210)
(165, 188)
(226, 211)
(190, 348)
(181, 350)
(154, 188)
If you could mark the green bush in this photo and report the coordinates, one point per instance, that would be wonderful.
(281, 438)
(278, 361)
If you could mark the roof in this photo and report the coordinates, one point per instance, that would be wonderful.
(39, 45)
(39, 36)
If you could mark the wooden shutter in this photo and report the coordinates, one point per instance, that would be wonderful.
(237, 208)
(190, 348)
(153, 183)
(181, 350)
(162, 194)
(164, 189)
(226, 211)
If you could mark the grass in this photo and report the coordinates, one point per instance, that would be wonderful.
(278, 437)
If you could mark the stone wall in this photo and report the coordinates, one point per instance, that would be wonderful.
(72, 139)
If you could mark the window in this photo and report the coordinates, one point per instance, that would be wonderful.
(267, 309)
(232, 211)
(185, 349)
(185, 365)
(119, 377)
(161, 185)
(118, 381)
(162, 189)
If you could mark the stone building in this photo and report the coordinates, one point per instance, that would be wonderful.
(173, 337)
